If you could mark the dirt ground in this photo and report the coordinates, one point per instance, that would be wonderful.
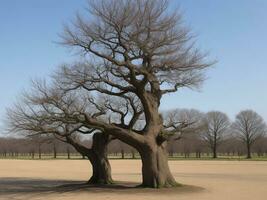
(63, 180)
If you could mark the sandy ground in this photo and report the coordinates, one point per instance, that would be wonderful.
(63, 180)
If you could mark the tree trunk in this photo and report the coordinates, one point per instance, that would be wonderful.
(40, 151)
(97, 156)
(101, 170)
(99, 160)
(214, 152)
(55, 151)
(155, 168)
(122, 153)
(68, 152)
(133, 154)
(248, 151)
(214, 146)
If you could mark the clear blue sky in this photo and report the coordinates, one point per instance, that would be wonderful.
(234, 32)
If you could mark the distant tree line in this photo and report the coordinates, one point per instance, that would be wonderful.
(214, 134)
(34, 148)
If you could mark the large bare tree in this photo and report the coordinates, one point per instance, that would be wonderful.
(216, 130)
(134, 49)
(248, 127)
(42, 114)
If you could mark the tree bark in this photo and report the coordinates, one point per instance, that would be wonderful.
(99, 160)
(97, 155)
(101, 170)
(155, 168)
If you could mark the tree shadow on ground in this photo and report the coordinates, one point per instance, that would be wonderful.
(12, 186)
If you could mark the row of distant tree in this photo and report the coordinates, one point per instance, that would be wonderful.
(211, 133)
(33, 147)
(215, 130)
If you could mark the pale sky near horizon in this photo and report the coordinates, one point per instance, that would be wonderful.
(234, 32)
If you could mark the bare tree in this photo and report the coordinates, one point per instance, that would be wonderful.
(134, 49)
(216, 130)
(248, 127)
(42, 115)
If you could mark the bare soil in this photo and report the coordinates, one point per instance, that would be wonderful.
(64, 180)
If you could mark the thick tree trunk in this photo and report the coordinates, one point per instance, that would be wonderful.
(101, 170)
(99, 159)
(97, 156)
(155, 168)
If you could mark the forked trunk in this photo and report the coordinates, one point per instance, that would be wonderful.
(155, 169)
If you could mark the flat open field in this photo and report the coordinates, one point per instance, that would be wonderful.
(62, 179)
